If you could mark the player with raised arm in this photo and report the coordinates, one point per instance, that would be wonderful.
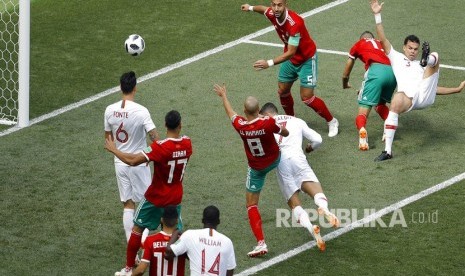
(299, 60)
(169, 157)
(378, 85)
(155, 246)
(257, 134)
(210, 252)
(417, 81)
(295, 174)
(128, 123)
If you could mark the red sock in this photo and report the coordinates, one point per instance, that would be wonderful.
(132, 249)
(320, 108)
(287, 102)
(360, 121)
(382, 110)
(255, 221)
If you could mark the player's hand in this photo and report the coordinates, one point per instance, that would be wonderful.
(245, 7)
(376, 7)
(220, 90)
(110, 144)
(260, 65)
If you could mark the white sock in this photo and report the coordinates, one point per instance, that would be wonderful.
(128, 216)
(321, 200)
(144, 236)
(302, 217)
(390, 126)
(432, 59)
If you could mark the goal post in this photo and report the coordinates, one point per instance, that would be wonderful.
(14, 62)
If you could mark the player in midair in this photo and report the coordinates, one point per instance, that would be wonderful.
(417, 81)
(378, 85)
(299, 60)
(295, 174)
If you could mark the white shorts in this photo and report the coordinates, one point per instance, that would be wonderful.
(132, 182)
(426, 94)
(292, 172)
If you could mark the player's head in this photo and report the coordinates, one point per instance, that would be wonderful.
(251, 107)
(411, 47)
(279, 8)
(367, 34)
(170, 216)
(211, 216)
(128, 82)
(269, 109)
(172, 120)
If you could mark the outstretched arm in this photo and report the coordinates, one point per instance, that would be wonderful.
(346, 74)
(129, 158)
(450, 90)
(376, 7)
(221, 91)
(257, 9)
(263, 64)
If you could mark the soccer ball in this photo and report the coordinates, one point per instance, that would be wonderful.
(134, 45)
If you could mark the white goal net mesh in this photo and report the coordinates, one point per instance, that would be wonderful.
(9, 47)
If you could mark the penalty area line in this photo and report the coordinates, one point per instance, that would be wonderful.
(460, 68)
(166, 69)
(359, 223)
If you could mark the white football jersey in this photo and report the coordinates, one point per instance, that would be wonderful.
(408, 73)
(129, 122)
(298, 128)
(209, 251)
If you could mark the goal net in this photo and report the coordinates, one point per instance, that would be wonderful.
(14, 62)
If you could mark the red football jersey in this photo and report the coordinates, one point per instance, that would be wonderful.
(369, 50)
(258, 138)
(169, 158)
(154, 252)
(294, 25)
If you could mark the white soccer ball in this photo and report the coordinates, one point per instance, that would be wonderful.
(134, 45)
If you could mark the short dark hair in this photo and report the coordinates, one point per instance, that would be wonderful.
(269, 107)
(127, 82)
(211, 215)
(172, 119)
(412, 38)
(170, 215)
(367, 34)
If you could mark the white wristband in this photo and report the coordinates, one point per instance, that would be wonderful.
(378, 18)
(270, 62)
(250, 8)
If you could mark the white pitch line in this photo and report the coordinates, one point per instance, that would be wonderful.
(338, 53)
(354, 225)
(166, 69)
